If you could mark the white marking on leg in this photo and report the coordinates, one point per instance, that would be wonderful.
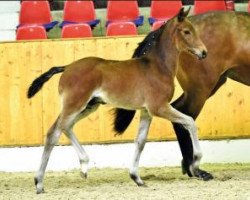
(178, 117)
(68, 126)
(52, 139)
(82, 155)
(140, 141)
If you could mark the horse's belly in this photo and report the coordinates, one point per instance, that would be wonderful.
(122, 99)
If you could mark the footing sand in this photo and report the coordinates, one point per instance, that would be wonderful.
(231, 182)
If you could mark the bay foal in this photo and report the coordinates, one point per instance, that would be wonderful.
(145, 83)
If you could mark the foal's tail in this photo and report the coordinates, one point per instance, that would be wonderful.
(37, 84)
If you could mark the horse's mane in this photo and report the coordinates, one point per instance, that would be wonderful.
(148, 42)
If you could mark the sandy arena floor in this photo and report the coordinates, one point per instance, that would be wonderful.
(232, 182)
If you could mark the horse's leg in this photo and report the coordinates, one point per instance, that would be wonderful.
(140, 141)
(64, 123)
(190, 105)
(52, 139)
(68, 130)
(175, 116)
(221, 81)
(240, 74)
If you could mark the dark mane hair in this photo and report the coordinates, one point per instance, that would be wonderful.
(148, 42)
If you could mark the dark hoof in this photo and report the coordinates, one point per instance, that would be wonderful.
(137, 180)
(142, 185)
(40, 191)
(205, 176)
(84, 175)
(185, 169)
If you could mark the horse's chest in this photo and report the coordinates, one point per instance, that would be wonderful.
(162, 88)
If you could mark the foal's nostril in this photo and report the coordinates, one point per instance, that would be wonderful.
(204, 54)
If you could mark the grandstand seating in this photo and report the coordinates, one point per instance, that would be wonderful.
(79, 12)
(202, 6)
(123, 11)
(163, 10)
(121, 28)
(31, 33)
(157, 25)
(36, 13)
(76, 31)
(230, 5)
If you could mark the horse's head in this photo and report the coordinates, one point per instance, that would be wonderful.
(186, 37)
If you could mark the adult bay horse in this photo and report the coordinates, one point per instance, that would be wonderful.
(91, 81)
(227, 38)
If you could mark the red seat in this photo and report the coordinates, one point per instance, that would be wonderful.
(202, 6)
(76, 31)
(230, 5)
(36, 12)
(163, 10)
(157, 25)
(80, 12)
(124, 11)
(248, 9)
(121, 28)
(31, 33)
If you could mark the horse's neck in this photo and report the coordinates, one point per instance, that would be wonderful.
(165, 51)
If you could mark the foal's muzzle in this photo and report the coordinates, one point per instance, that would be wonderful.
(203, 54)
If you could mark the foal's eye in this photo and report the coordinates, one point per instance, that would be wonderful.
(187, 32)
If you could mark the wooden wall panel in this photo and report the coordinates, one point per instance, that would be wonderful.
(20, 118)
(25, 122)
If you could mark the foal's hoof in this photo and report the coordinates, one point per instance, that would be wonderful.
(40, 191)
(205, 176)
(137, 180)
(39, 186)
(84, 175)
(140, 183)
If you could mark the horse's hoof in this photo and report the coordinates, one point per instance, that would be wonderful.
(142, 185)
(40, 191)
(205, 176)
(137, 180)
(39, 186)
(185, 169)
(84, 175)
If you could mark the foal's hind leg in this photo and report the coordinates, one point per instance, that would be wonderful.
(140, 141)
(64, 123)
(82, 155)
(52, 139)
(175, 116)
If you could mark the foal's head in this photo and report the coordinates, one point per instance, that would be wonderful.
(185, 36)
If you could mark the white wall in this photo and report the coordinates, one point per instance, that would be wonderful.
(9, 6)
(9, 19)
(155, 154)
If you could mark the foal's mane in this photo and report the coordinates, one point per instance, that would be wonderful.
(149, 41)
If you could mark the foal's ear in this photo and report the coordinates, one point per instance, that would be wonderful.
(182, 14)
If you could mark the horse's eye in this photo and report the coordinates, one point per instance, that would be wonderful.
(187, 32)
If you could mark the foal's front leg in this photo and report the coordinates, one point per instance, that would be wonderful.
(175, 116)
(145, 121)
